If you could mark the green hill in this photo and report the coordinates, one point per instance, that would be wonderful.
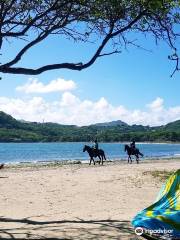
(7, 121)
(173, 126)
(12, 130)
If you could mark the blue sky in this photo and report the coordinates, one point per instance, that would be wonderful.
(134, 86)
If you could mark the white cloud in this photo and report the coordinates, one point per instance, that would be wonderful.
(69, 109)
(69, 100)
(156, 105)
(58, 85)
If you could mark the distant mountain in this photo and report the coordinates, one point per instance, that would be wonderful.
(111, 124)
(12, 130)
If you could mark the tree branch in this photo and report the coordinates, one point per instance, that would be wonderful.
(175, 58)
(30, 24)
(73, 66)
(107, 54)
(109, 20)
(40, 37)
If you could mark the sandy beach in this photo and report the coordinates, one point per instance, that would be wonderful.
(78, 201)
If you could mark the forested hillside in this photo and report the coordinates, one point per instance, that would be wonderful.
(12, 130)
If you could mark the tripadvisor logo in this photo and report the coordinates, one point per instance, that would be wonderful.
(139, 231)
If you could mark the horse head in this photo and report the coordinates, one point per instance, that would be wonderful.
(126, 147)
(84, 148)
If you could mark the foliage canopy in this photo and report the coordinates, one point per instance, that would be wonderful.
(83, 20)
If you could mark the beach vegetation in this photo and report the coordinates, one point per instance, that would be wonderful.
(162, 175)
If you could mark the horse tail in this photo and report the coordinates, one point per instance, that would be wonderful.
(140, 154)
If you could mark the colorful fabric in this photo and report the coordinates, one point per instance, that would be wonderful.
(163, 217)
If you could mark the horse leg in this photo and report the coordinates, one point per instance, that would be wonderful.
(137, 158)
(92, 159)
(141, 154)
(99, 159)
(130, 158)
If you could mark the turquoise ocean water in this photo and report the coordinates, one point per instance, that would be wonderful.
(37, 152)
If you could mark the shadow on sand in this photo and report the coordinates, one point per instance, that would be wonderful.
(77, 229)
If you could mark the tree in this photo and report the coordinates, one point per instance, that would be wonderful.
(81, 20)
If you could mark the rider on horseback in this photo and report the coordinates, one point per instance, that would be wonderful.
(133, 146)
(95, 146)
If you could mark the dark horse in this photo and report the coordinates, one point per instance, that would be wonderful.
(134, 152)
(95, 153)
(2, 165)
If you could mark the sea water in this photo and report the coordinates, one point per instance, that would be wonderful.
(45, 152)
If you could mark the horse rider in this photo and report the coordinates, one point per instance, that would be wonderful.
(95, 146)
(133, 146)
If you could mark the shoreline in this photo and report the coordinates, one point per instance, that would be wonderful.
(123, 142)
(61, 163)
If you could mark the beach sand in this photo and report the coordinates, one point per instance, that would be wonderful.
(78, 201)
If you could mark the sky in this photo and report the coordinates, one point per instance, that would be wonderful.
(133, 86)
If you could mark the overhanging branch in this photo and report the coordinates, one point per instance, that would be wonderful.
(72, 66)
(104, 19)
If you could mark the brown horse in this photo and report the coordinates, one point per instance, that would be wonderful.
(134, 152)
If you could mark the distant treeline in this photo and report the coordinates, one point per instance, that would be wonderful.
(12, 130)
